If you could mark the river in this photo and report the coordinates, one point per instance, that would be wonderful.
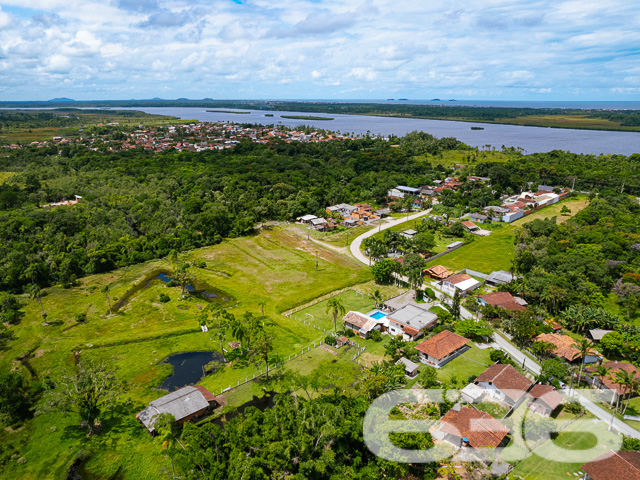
(531, 139)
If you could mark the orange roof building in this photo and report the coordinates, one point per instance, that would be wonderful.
(441, 348)
(478, 427)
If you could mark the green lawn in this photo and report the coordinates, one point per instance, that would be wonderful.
(473, 362)
(495, 252)
(275, 267)
(563, 456)
(496, 410)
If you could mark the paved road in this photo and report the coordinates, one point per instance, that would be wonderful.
(355, 244)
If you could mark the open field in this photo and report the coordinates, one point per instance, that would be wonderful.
(566, 121)
(563, 456)
(274, 267)
(495, 252)
(450, 158)
(472, 362)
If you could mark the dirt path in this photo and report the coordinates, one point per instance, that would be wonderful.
(300, 233)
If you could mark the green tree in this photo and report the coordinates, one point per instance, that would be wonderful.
(16, 398)
(428, 377)
(9, 309)
(584, 347)
(455, 305)
(377, 298)
(88, 392)
(35, 293)
(262, 346)
(239, 332)
(383, 270)
(335, 307)
(613, 343)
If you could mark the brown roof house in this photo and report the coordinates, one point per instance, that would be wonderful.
(612, 389)
(361, 324)
(184, 404)
(544, 399)
(442, 348)
(471, 429)
(500, 300)
(504, 383)
(564, 347)
(618, 464)
(438, 272)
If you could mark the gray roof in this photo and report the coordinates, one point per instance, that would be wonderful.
(410, 232)
(454, 244)
(383, 211)
(597, 333)
(396, 303)
(409, 366)
(306, 218)
(318, 221)
(500, 276)
(181, 403)
(407, 189)
(413, 316)
(496, 209)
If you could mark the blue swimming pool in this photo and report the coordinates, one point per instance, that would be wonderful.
(378, 315)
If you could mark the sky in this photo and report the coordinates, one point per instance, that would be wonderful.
(320, 49)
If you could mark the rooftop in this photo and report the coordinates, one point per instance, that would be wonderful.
(502, 300)
(413, 316)
(442, 344)
(181, 404)
(479, 427)
(547, 394)
(507, 379)
(500, 276)
(563, 345)
(615, 367)
(614, 464)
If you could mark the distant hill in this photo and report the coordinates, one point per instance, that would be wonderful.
(182, 100)
(60, 100)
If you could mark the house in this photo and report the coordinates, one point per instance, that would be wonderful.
(427, 191)
(361, 323)
(615, 464)
(596, 334)
(461, 282)
(410, 368)
(317, 223)
(442, 348)
(470, 226)
(478, 217)
(382, 212)
(184, 404)
(468, 427)
(503, 382)
(499, 277)
(341, 341)
(307, 218)
(472, 393)
(606, 383)
(502, 300)
(342, 209)
(544, 399)
(395, 193)
(408, 190)
(438, 272)
(409, 233)
(410, 321)
(563, 347)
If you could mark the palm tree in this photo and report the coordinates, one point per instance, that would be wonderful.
(376, 297)
(626, 381)
(105, 290)
(415, 277)
(239, 331)
(173, 259)
(602, 372)
(34, 294)
(334, 305)
(584, 347)
(262, 305)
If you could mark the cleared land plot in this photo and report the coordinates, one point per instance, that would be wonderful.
(472, 362)
(496, 251)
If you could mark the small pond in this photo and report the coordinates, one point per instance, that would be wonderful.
(199, 289)
(188, 368)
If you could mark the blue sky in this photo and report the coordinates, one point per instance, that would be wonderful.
(364, 49)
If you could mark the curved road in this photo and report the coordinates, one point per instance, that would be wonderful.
(499, 341)
(355, 244)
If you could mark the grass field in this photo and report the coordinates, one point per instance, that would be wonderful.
(563, 456)
(472, 362)
(274, 267)
(496, 251)
(450, 158)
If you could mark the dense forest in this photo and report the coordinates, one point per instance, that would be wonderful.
(138, 205)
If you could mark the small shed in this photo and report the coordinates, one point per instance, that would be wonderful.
(472, 393)
(341, 341)
(410, 368)
(454, 245)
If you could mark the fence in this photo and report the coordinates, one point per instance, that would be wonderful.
(443, 253)
(255, 375)
(474, 273)
(320, 299)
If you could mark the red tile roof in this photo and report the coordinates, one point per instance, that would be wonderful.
(507, 379)
(615, 367)
(438, 271)
(502, 300)
(546, 394)
(614, 464)
(469, 224)
(563, 345)
(442, 344)
(479, 427)
(208, 396)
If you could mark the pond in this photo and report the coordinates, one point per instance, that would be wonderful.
(188, 368)
(199, 289)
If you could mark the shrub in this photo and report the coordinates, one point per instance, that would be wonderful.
(573, 407)
(201, 264)
(329, 340)
(471, 378)
(164, 298)
(349, 333)
(80, 317)
(419, 295)
(376, 336)
(430, 293)
(496, 355)
(173, 283)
